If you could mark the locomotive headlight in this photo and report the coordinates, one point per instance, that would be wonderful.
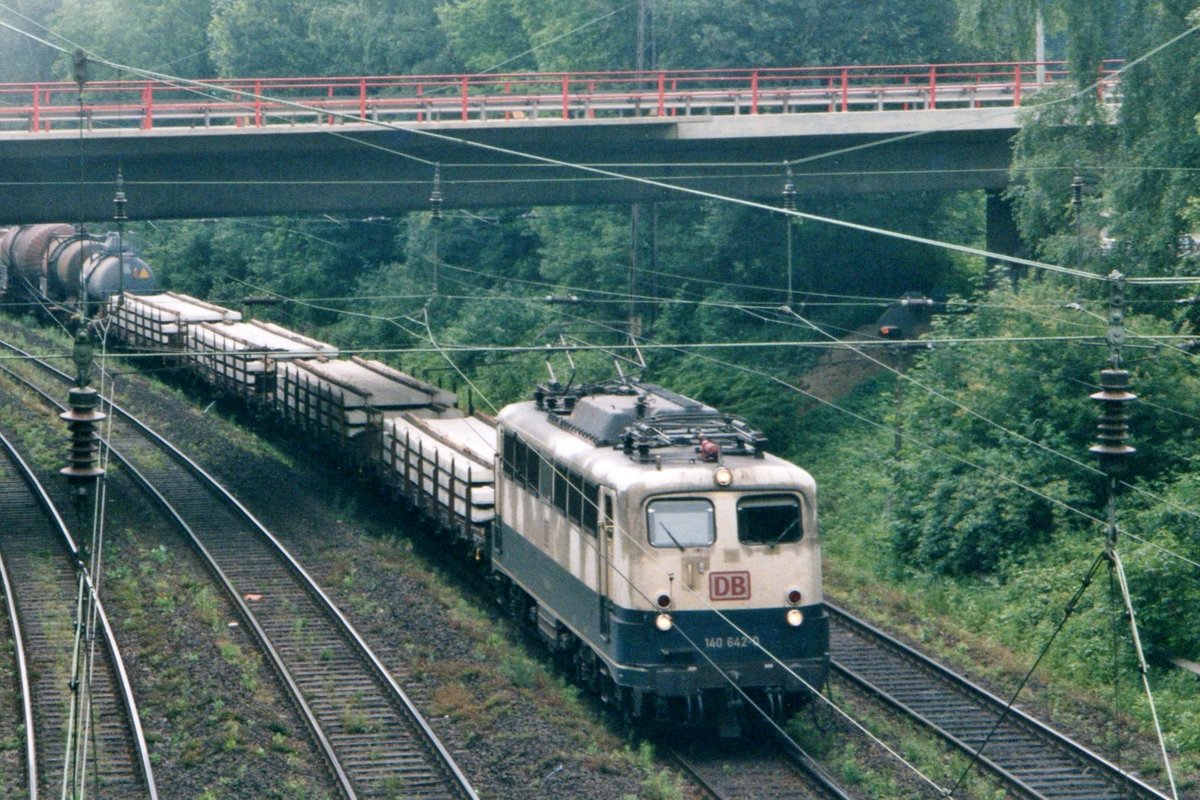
(723, 476)
(663, 622)
(794, 617)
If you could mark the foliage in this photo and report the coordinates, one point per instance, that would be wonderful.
(312, 37)
(24, 59)
(994, 474)
(169, 37)
(704, 34)
(486, 35)
(1140, 174)
(1003, 30)
(1172, 614)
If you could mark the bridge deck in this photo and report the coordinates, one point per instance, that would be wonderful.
(264, 146)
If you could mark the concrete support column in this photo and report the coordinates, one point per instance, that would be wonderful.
(1002, 236)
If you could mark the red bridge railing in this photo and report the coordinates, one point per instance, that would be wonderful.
(526, 96)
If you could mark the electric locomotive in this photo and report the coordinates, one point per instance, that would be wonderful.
(646, 536)
(652, 539)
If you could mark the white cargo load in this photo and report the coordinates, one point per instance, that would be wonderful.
(444, 458)
(241, 356)
(340, 396)
(162, 320)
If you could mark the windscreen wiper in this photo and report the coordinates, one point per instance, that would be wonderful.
(667, 531)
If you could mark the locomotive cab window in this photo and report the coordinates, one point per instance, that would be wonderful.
(769, 519)
(682, 522)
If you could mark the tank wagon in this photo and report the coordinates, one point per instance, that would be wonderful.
(648, 539)
(59, 264)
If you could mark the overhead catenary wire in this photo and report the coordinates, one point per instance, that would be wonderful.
(733, 683)
(636, 542)
(901, 375)
(457, 140)
(979, 252)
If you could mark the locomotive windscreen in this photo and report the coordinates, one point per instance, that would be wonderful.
(769, 519)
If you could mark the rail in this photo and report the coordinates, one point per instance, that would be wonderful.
(1035, 760)
(724, 770)
(657, 94)
(355, 769)
(22, 664)
(121, 684)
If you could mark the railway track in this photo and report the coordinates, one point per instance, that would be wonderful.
(744, 770)
(374, 739)
(37, 548)
(1028, 756)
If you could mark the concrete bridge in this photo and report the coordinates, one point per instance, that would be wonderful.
(365, 146)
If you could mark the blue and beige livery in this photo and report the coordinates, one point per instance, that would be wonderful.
(652, 539)
(648, 538)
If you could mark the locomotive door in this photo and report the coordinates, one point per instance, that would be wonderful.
(604, 560)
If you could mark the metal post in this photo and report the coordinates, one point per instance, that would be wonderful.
(435, 210)
(120, 217)
(1113, 430)
(1040, 45)
(789, 204)
(635, 216)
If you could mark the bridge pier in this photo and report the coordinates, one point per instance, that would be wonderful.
(1002, 237)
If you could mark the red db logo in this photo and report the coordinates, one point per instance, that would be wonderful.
(729, 585)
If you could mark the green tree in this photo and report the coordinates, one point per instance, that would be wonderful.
(486, 35)
(170, 37)
(25, 59)
(311, 37)
(1140, 165)
(1007, 436)
(712, 33)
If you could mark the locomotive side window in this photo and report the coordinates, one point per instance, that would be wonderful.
(769, 519)
(591, 506)
(509, 456)
(561, 488)
(575, 499)
(546, 479)
(533, 460)
(684, 522)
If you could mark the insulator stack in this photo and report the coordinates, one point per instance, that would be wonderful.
(789, 193)
(1113, 430)
(83, 421)
(119, 203)
(435, 197)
